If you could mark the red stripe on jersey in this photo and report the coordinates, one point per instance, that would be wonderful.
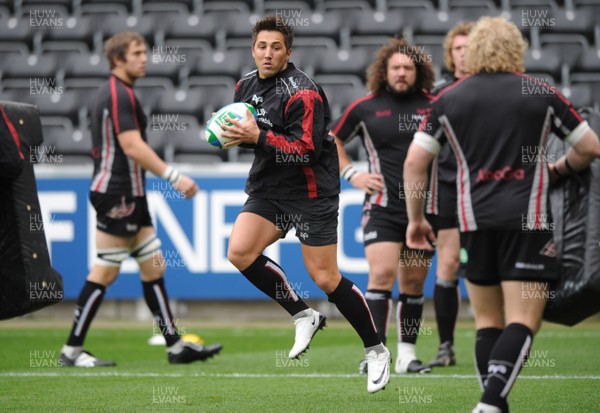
(423, 123)
(373, 162)
(13, 133)
(349, 109)
(306, 143)
(540, 191)
(136, 168)
(448, 88)
(556, 92)
(115, 106)
(107, 148)
(133, 105)
(462, 180)
(434, 184)
(311, 182)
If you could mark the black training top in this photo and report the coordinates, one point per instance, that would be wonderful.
(294, 158)
(116, 109)
(386, 123)
(498, 127)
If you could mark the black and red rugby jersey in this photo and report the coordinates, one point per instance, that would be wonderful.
(498, 127)
(295, 158)
(386, 123)
(116, 109)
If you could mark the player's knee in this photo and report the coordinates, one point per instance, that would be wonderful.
(412, 287)
(489, 318)
(233, 255)
(103, 275)
(448, 266)
(240, 258)
(327, 281)
(381, 279)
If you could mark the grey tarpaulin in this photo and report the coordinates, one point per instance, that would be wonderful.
(575, 204)
(27, 280)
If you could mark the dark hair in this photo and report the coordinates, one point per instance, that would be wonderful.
(376, 73)
(274, 24)
(116, 47)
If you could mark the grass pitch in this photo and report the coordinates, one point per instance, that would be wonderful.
(253, 374)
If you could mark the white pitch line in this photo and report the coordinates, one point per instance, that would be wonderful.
(270, 375)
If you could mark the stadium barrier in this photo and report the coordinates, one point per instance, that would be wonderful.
(194, 236)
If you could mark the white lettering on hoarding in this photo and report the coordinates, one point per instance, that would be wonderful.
(57, 202)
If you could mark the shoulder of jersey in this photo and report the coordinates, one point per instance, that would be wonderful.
(442, 83)
(244, 79)
(298, 80)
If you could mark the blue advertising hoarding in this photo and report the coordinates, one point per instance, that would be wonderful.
(194, 235)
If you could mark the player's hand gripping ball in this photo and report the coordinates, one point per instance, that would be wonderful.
(213, 130)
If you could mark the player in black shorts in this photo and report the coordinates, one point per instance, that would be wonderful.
(490, 119)
(294, 182)
(124, 228)
(386, 121)
(446, 294)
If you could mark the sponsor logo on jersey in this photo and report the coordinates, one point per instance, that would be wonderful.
(383, 113)
(261, 116)
(504, 174)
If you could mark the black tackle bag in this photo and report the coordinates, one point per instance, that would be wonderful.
(27, 280)
(575, 205)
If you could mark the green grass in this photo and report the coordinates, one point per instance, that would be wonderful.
(252, 374)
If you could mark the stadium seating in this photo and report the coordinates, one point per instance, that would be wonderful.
(199, 49)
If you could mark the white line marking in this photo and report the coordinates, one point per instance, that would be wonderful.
(269, 375)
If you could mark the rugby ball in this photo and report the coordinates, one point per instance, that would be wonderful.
(213, 130)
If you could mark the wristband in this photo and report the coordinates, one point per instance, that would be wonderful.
(569, 167)
(348, 172)
(172, 175)
(555, 170)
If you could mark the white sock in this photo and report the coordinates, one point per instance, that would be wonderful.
(303, 313)
(406, 350)
(379, 349)
(71, 351)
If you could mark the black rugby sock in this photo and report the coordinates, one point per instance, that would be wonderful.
(446, 301)
(353, 306)
(506, 360)
(380, 304)
(270, 278)
(484, 342)
(408, 317)
(89, 301)
(158, 303)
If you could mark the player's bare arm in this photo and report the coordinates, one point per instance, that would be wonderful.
(419, 232)
(368, 182)
(134, 147)
(578, 157)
